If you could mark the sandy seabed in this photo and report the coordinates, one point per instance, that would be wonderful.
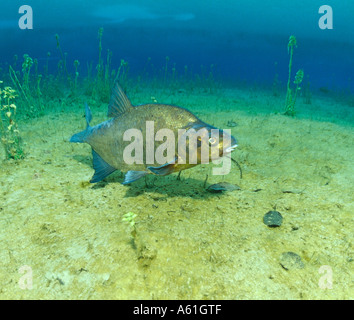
(68, 237)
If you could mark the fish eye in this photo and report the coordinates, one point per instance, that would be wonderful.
(212, 140)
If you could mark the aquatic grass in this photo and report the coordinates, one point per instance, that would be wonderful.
(101, 85)
(39, 95)
(16, 82)
(291, 95)
(307, 95)
(76, 66)
(167, 59)
(107, 67)
(26, 69)
(291, 45)
(30, 95)
(65, 85)
(147, 67)
(100, 63)
(290, 108)
(275, 84)
(10, 135)
(62, 65)
(122, 72)
(15, 61)
(129, 218)
(46, 67)
(204, 80)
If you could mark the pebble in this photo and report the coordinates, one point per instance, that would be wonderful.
(231, 124)
(222, 186)
(273, 219)
(290, 261)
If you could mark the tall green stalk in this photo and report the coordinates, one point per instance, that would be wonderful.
(63, 57)
(290, 96)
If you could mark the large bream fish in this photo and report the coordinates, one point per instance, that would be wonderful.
(109, 139)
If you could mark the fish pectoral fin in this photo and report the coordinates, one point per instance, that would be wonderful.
(102, 168)
(163, 170)
(132, 176)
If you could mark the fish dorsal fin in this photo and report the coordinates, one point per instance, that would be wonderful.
(119, 102)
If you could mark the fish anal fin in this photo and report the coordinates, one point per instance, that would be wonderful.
(102, 168)
(119, 102)
(132, 176)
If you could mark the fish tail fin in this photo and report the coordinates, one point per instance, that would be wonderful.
(81, 136)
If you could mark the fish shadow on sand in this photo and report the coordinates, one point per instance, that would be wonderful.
(167, 186)
(160, 187)
(83, 159)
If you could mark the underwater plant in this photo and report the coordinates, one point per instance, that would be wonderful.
(130, 219)
(107, 67)
(26, 69)
(275, 85)
(166, 69)
(100, 87)
(10, 135)
(76, 66)
(30, 95)
(100, 62)
(290, 95)
(46, 67)
(122, 72)
(62, 62)
(290, 108)
(307, 92)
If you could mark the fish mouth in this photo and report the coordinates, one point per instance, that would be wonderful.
(230, 149)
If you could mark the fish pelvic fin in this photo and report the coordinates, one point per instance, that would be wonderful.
(132, 176)
(81, 136)
(102, 168)
(119, 102)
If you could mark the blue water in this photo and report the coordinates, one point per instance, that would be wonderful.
(243, 39)
(226, 61)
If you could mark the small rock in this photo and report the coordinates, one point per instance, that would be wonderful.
(231, 124)
(222, 186)
(273, 219)
(291, 260)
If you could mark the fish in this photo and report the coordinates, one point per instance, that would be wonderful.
(109, 143)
